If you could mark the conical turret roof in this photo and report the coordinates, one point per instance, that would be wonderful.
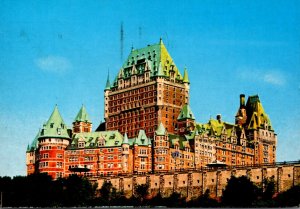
(107, 86)
(185, 76)
(55, 127)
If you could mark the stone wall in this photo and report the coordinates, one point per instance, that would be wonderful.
(195, 183)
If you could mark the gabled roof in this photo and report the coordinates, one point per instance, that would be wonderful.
(186, 113)
(55, 127)
(82, 116)
(160, 131)
(142, 139)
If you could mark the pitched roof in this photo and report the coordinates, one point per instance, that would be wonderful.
(82, 116)
(55, 126)
(142, 139)
(186, 113)
(91, 139)
(160, 131)
(154, 57)
(256, 115)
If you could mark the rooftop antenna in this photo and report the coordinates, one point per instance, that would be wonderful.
(121, 41)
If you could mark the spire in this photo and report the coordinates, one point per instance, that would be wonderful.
(107, 86)
(125, 140)
(28, 148)
(55, 126)
(160, 131)
(82, 116)
(185, 76)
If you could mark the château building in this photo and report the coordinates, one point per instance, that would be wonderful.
(150, 127)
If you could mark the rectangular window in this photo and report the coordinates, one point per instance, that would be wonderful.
(59, 165)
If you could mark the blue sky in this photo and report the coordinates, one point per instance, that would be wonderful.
(59, 52)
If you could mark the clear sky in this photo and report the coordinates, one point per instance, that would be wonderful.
(59, 52)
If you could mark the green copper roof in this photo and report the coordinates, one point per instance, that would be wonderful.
(185, 76)
(186, 113)
(125, 140)
(154, 58)
(91, 139)
(34, 145)
(82, 116)
(160, 131)
(107, 86)
(55, 126)
(256, 116)
(181, 141)
(142, 139)
(216, 128)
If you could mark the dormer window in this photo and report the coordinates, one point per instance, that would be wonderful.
(62, 126)
(59, 131)
(101, 143)
(51, 125)
(81, 144)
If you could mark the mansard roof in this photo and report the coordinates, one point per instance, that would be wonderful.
(154, 58)
(55, 127)
(256, 115)
(186, 113)
(82, 116)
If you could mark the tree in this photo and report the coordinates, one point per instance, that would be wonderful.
(289, 198)
(141, 192)
(203, 201)
(175, 200)
(240, 192)
(77, 191)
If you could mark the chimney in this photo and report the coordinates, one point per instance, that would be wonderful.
(219, 118)
(242, 100)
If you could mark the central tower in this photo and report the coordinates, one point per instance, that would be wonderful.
(148, 90)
